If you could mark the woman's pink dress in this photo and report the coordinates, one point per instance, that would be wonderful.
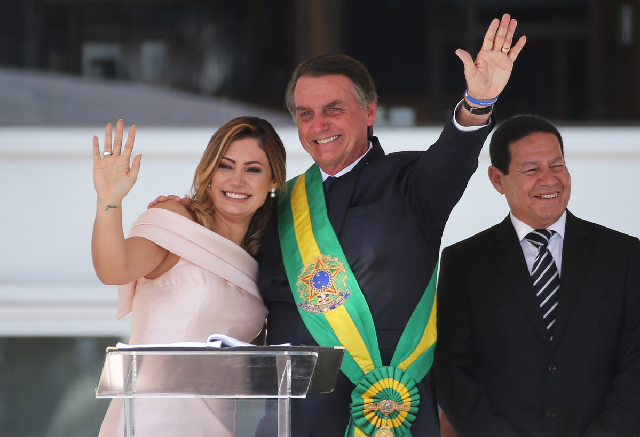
(212, 289)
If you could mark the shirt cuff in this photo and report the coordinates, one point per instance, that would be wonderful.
(464, 128)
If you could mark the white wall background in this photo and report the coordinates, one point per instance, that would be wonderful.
(47, 283)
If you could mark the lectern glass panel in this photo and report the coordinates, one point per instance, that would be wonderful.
(205, 374)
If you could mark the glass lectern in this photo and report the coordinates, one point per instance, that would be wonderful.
(266, 372)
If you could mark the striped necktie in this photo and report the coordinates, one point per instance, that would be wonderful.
(546, 280)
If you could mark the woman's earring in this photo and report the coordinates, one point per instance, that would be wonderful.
(273, 193)
(209, 185)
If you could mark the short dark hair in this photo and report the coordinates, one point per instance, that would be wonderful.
(364, 89)
(512, 130)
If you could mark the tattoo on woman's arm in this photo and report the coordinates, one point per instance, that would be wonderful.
(110, 206)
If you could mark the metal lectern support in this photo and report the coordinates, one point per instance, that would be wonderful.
(284, 395)
(129, 403)
(128, 417)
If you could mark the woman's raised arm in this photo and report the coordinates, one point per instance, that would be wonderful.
(116, 260)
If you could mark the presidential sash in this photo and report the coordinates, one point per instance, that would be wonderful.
(333, 308)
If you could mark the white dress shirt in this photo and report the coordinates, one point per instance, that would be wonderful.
(555, 244)
(347, 169)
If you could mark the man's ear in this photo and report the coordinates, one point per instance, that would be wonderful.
(372, 110)
(496, 178)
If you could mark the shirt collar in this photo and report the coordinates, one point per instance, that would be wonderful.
(522, 229)
(348, 168)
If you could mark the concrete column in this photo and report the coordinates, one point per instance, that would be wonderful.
(318, 28)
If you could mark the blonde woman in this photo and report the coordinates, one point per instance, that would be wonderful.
(188, 272)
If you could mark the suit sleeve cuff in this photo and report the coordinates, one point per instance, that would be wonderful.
(462, 128)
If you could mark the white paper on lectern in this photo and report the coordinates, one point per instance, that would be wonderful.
(213, 341)
(189, 344)
(220, 340)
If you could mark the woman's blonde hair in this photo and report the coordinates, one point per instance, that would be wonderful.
(201, 206)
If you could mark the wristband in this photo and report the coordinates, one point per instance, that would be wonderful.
(479, 102)
(475, 110)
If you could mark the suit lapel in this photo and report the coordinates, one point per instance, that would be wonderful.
(510, 259)
(344, 186)
(575, 257)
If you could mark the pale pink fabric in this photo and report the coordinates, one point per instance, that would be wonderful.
(212, 289)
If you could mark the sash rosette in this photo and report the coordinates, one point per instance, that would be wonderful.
(334, 309)
(386, 396)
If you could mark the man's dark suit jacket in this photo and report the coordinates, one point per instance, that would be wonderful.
(389, 213)
(497, 372)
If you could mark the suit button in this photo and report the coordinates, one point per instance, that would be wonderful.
(551, 414)
(552, 368)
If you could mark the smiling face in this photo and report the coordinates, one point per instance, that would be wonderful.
(538, 185)
(241, 183)
(332, 126)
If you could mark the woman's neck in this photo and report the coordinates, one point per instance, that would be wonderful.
(231, 230)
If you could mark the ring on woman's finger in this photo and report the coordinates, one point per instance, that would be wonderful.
(505, 49)
(107, 153)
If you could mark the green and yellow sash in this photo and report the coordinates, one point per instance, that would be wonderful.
(334, 309)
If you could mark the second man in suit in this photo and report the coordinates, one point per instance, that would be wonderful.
(539, 316)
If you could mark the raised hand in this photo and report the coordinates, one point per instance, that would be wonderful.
(113, 175)
(487, 76)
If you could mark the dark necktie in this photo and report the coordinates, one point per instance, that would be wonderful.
(546, 280)
(328, 183)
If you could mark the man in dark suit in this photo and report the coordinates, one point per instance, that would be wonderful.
(539, 316)
(388, 212)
